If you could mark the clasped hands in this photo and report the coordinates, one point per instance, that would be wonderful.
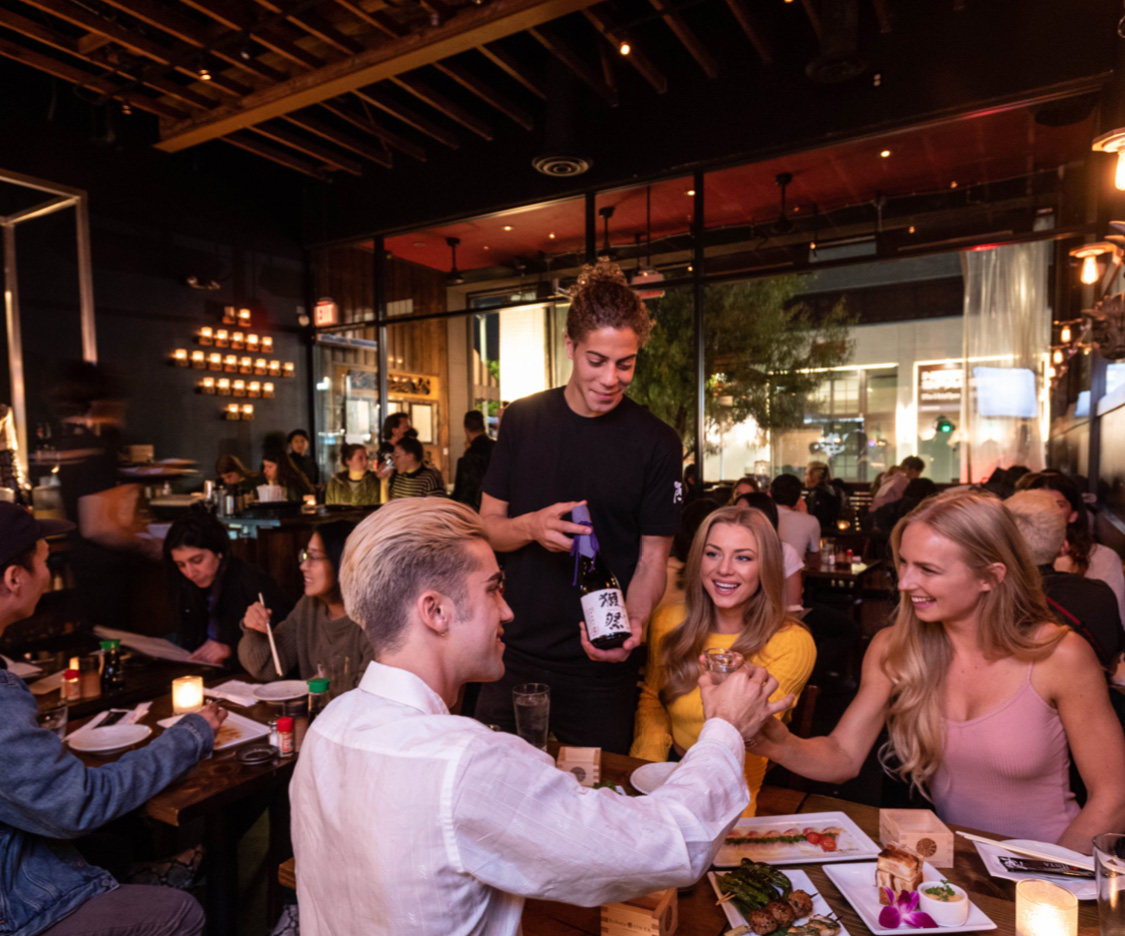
(743, 699)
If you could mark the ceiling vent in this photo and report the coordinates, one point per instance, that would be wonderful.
(839, 59)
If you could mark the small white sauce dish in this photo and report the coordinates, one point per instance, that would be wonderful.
(953, 911)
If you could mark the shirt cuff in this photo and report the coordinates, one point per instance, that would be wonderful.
(722, 732)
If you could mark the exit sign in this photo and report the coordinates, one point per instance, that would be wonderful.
(324, 313)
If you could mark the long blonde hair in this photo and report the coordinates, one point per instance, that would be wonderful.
(919, 653)
(764, 615)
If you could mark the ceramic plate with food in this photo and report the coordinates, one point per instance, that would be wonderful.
(811, 914)
(813, 838)
(235, 729)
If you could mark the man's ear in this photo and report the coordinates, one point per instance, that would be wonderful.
(13, 578)
(435, 611)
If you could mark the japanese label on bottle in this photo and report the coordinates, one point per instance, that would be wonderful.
(605, 614)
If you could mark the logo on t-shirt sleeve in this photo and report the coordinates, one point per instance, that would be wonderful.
(677, 492)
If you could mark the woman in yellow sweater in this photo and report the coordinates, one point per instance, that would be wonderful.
(734, 599)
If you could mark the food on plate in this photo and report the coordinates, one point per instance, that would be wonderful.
(226, 734)
(781, 912)
(768, 841)
(766, 898)
(946, 903)
(801, 903)
(898, 869)
(943, 892)
(815, 926)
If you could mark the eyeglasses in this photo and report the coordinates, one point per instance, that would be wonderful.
(305, 556)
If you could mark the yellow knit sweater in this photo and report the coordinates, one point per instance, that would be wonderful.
(789, 656)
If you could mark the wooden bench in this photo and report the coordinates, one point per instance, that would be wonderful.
(287, 874)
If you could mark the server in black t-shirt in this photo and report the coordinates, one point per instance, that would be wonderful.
(582, 442)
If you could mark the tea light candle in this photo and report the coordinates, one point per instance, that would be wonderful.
(207, 385)
(246, 365)
(230, 315)
(261, 366)
(843, 524)
(251, 342)
(267, 389)
(179, 356)
(287, 368)
(239, 388)
(224, 386)
(247, 410)
(254, 388)
(267, 344)
(238, 340)
(230, 362)
(1045, 909)
(275, 368)
(187, 694)
(243, 316)
(215, 361)
(206, 335)
(198, 359)
(222, 338)
(232, 411)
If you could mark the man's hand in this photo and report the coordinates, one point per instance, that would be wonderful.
(743, 699)
(548, 528)
(257, 618)
(213, 715)
(618, 654)
(211, 652)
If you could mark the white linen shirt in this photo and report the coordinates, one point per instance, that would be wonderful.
(407, 819)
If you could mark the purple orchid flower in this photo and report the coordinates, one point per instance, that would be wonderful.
(904, 910)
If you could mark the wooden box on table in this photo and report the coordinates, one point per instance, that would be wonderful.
(921, 831)
(655, 914)
(584, 762)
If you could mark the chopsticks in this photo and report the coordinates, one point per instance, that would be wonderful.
(269, 634)
(1029, 852)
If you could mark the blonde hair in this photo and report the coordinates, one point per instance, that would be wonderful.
(919, 653)
(406, 547)
(764, 615)
(1040, 522)
(602, 299)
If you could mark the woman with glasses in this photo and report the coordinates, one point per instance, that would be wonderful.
(317, 638)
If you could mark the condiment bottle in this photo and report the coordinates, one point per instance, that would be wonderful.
(113, 673)
(71, 686)
(273, 737)
(318, 696)
(89, 677)
(285, 735)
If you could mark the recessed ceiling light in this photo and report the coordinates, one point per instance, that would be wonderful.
(690, 191)
(953, 184)
(551, 235)
(911, 229)
(507, 227)
(885, 153)
(796, 208)
(486, 247)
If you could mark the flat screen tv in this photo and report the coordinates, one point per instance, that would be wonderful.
(1006, 391)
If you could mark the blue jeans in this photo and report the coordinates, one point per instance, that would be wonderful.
(133, 910)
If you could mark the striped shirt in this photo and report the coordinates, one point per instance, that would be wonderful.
(424, 482)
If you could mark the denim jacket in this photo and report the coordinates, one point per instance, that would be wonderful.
(47, 795)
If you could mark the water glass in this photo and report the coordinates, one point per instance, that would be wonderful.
(1109, 866)
(721, 663)
(54, 719)
(532, 702)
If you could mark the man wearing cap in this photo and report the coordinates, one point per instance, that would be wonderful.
(47, 795)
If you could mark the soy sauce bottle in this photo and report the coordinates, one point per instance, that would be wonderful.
(113, 675)
(603, 604)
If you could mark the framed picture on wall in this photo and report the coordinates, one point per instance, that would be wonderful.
(422, 419)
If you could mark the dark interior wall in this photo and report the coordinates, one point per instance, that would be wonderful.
(155, 219)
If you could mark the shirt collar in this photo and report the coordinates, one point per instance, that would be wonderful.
(402, 686)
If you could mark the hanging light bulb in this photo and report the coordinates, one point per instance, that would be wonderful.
(1089, 270)
(1090, 254)
(1064, 335)
(1114, 142)
(1119, 175)
(1057, 357)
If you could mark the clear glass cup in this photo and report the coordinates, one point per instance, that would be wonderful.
(532, 703)
(721, 663)
(54, 719)
(1109, 868)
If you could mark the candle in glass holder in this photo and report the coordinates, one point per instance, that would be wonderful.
(247, 410)
(261, 366)
(224, 386)
(1045, 909)
(254, 388)
(238, 340)
(179, 356)
(232, 411)
(252, 342)
(288, 369)
(243, 316)
(275, 368)
(245, 365)
(187, 694)
(230, 363)
(206, 335)
(215, 361)
(267, 389)
(238, 388)
(222, 338)
(198, 359)
(267, 344)
(207, 385)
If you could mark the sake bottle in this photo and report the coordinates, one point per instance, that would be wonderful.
(603, 604)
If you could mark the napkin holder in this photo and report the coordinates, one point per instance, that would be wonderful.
(584, 762)
(921, 831)
(655, 914)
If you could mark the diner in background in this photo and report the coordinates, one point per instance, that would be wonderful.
(412, 477)
(586, 442)
(895, 482)
(484, 820)
(825, 499)
(212, 589)
(236, 477)
(48, 796)
(355, 485)
(747, 484)
(301, 456)
(395, 427)
(473, 465)
(985, 699)
(734, 600)
(798, 529)
(317, 638)
(793, 566)
(279, 470)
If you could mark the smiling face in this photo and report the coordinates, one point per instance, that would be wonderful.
(933, 576)
(604, 361)
(317, 571)
(199, 566)
(729, 566)
(476, 632)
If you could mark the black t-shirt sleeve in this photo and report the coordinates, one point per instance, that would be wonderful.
(498, 480)
(663, 494)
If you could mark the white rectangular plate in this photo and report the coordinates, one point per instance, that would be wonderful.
(851, 844)
(1082, 888)
(800, 881)
(857, 884)
(236, 730)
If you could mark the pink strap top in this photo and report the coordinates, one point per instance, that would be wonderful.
(1007, 772)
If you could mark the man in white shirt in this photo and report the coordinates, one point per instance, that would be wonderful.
(799, 530)
(407, 819)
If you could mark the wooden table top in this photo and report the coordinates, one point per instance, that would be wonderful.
(699, 915)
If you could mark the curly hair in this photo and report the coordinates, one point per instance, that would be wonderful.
(602, 299)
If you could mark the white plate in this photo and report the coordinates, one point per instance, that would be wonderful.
(648, 777)
(857, 884)
(284, 690)
(851, 844)
(235, 730)
(108, 740)
(798, 879)
(1082, 888)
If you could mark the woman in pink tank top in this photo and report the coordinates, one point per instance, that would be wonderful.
(984, 699)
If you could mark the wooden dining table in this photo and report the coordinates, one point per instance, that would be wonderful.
(699, 915)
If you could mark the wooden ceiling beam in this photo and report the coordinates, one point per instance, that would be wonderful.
(274, 38)
(274, 155)
(376, 18)
(53, 66)
(471, 27)
(329, 157)
(379, 156)
(443, 105)
(572, 60)
(753, 31)
(641, 62)
(687, 37)
(407, 116)
(367, 125)
(883, 14)
(490, 96)
(318, 27)
(510, 67)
